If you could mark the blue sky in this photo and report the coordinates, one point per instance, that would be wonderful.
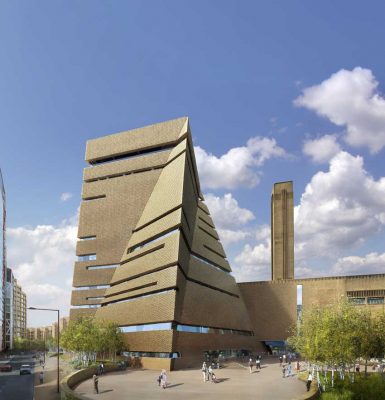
(75, 70)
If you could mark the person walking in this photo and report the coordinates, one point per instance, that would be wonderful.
(210, 373)
(41, 377)
(250, 365)
(280, 361)
(96, 383)
(163, 379)
(204, 371)
(289, 369)
(309, 381)
(283, 371)
(258, 362)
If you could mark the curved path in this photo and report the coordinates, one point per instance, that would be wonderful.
(235, 383)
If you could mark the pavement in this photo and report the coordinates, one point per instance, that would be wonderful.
(14, 386)
(235, 382)
(48, 389)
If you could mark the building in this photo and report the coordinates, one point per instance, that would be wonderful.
(3, 261)
(45, 332)
(150, 258)
(8, 308)
(19, 311)
(282, 231)
(63, 323)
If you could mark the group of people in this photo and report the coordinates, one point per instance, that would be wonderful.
(257, 363)
(208, 373)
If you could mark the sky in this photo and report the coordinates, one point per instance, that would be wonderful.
(274, 90)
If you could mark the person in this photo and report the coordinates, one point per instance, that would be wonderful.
(96, 383)
(309, 381)
(298, 367)
(204, 371)
(210, 373)
(41, 377)
(289, 369)
(258, 362)
(284, 358)
(283, 371)
(101, 368)
(280, 361)
(163, 379)
(250, 365)
(213, 378)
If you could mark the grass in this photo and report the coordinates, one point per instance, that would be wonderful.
(370, 388)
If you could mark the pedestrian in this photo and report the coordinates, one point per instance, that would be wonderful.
(210, 373)
(213, 378)
(258, 362)
(297, 366)
(289, 369)
(41, 377)
(250, 365)
(284, 358)
(309, 381)
(96, 383)
(280, 361)
(204, 371)
(283, 371)
(101, 368)
(163, 379)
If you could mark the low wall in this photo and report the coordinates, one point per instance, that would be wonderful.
(69, 382)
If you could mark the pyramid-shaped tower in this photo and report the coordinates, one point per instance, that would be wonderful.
(150, 258)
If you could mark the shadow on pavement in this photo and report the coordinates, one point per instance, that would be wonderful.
(175, 385)
(106, 391)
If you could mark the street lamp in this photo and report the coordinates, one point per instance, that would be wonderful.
(58, 337)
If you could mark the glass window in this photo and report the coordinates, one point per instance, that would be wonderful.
(357, 300)
(375, 300)
(87, 257)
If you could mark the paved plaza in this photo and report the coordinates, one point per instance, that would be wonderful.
(235, 382)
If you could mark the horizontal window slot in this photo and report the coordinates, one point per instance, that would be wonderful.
(126, 173)
(201, 207)
(208, 329)
(213, 251)
(91, 287)
(85, 238)
(102, 266)
(147, 327)
(132, 289)
(207, 233)
(154, 239)
(87, 257)
(206, 223)
(142, 296)
(101, 196)
(157, 218)
(95, 298)
(132, 154)
(210, 263)
(144, 253)
(212, 287)
(87, 306)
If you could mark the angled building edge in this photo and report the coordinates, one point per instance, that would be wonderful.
(150, 258)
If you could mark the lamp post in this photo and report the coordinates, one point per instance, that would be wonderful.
(58, 337)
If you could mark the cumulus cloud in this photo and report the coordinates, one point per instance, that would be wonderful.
(42, 260)
(350, 99)
(372, 263)
(65, 196)
(339, 209)
(229, 217)
(322, 149)
(239, 166)
(253, 263)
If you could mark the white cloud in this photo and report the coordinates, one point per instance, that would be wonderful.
(238, 167)
(339, 209)
(351, 99)
(253, 263)
(228, 217)
(226, 212)
(372, 263)
(65, 196)
(42, 260)
(322, 149)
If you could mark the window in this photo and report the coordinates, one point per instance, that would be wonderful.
(87, 257)
(87, 238)
(146, 328)
(357, 300)
(103, 266)
(375, 300)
